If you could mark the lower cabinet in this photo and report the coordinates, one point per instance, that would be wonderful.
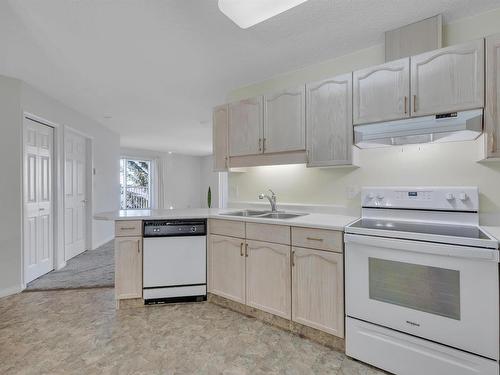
(318, 290)
(268, 277)
(227, 267)
(128, 264)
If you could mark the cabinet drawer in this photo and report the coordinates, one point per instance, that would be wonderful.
(227, 228)
(323, 239)
(269, 233)
(127, 228)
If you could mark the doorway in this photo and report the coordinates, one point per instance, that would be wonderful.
(38, 141)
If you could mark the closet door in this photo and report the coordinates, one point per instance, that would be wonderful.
(38, 215)
(75, 197)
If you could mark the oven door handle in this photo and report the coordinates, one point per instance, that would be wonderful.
(395, 244)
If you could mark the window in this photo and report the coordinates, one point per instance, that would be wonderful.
(135, 184)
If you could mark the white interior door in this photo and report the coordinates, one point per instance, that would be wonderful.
(75, 198)
(38, 215)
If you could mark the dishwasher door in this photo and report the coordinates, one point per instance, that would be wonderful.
(175, 261)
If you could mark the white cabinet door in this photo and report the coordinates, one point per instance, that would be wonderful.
(75, 196)
(128, 264)
(219, 132)
(449, 79)
(227, 267)
(492, 110)
(381, 93)
(329, 121)
(38, 213)
(285, 121)
(245, 127)
(268, 278)
(318, 290)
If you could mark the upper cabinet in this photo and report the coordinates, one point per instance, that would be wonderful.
(381, 93)
(219, 142)
(329, 121)
(492, 110)
(245, 127)
(448, 79)
(285, 121)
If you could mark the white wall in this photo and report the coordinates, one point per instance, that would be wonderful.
(106, 153)
(16, 98)
(441, 164)
(10, 186)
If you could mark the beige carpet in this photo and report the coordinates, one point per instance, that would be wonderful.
(91, 269)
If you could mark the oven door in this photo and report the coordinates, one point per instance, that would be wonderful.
(445, 293)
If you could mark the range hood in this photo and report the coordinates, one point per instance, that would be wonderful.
(456, 126)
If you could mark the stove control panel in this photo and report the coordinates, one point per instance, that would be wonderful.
(452, 198)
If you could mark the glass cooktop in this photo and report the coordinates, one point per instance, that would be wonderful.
(463, 231)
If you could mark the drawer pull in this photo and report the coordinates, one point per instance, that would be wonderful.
(315, 239)
(127, 228)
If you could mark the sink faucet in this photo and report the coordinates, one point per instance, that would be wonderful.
(271, 199)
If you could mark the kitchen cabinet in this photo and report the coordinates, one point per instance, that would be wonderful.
(245, 119)
(492, 108)
(318, 290)
(227, 267)
(268, 277)
(285, 121)
(220, 133)
(448, 79)
(329, 121)
(128, 267)
(381, 93)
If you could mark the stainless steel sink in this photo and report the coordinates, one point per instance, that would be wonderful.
(247, 213)
(282, 215)
(265, 214)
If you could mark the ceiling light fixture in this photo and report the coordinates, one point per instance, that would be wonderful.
(246, 13)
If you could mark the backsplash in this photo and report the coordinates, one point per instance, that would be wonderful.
(432, 164)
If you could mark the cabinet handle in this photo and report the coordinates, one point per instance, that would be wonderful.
(139, 246)
(225, 161)
(406, 104)
(414, 103)
(246, 250)
(293, 258)
(241, 249)
(260, 144)
(127, 228)
(315, 239)
(264, 145)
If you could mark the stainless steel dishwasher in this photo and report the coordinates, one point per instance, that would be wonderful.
(175, 261)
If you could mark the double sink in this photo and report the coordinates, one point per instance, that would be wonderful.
(265, 214)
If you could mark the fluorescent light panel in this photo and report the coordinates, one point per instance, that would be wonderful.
(246, 13)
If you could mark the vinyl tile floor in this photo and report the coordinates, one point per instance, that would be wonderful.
(80, 332)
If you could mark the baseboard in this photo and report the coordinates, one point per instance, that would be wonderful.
(99, 244)
(11, 290)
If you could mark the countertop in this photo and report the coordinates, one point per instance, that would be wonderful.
(493, 231)
(312, 220)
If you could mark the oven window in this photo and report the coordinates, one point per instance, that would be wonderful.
(430, 289)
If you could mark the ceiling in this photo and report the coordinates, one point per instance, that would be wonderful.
(157, 67)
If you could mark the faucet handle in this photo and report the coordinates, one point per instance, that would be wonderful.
(272, 192)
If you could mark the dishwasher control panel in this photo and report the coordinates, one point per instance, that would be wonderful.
(175, 228)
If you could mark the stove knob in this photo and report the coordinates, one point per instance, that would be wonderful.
(450, 197)
(380, 196)
(370, 196)
(463, 196)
